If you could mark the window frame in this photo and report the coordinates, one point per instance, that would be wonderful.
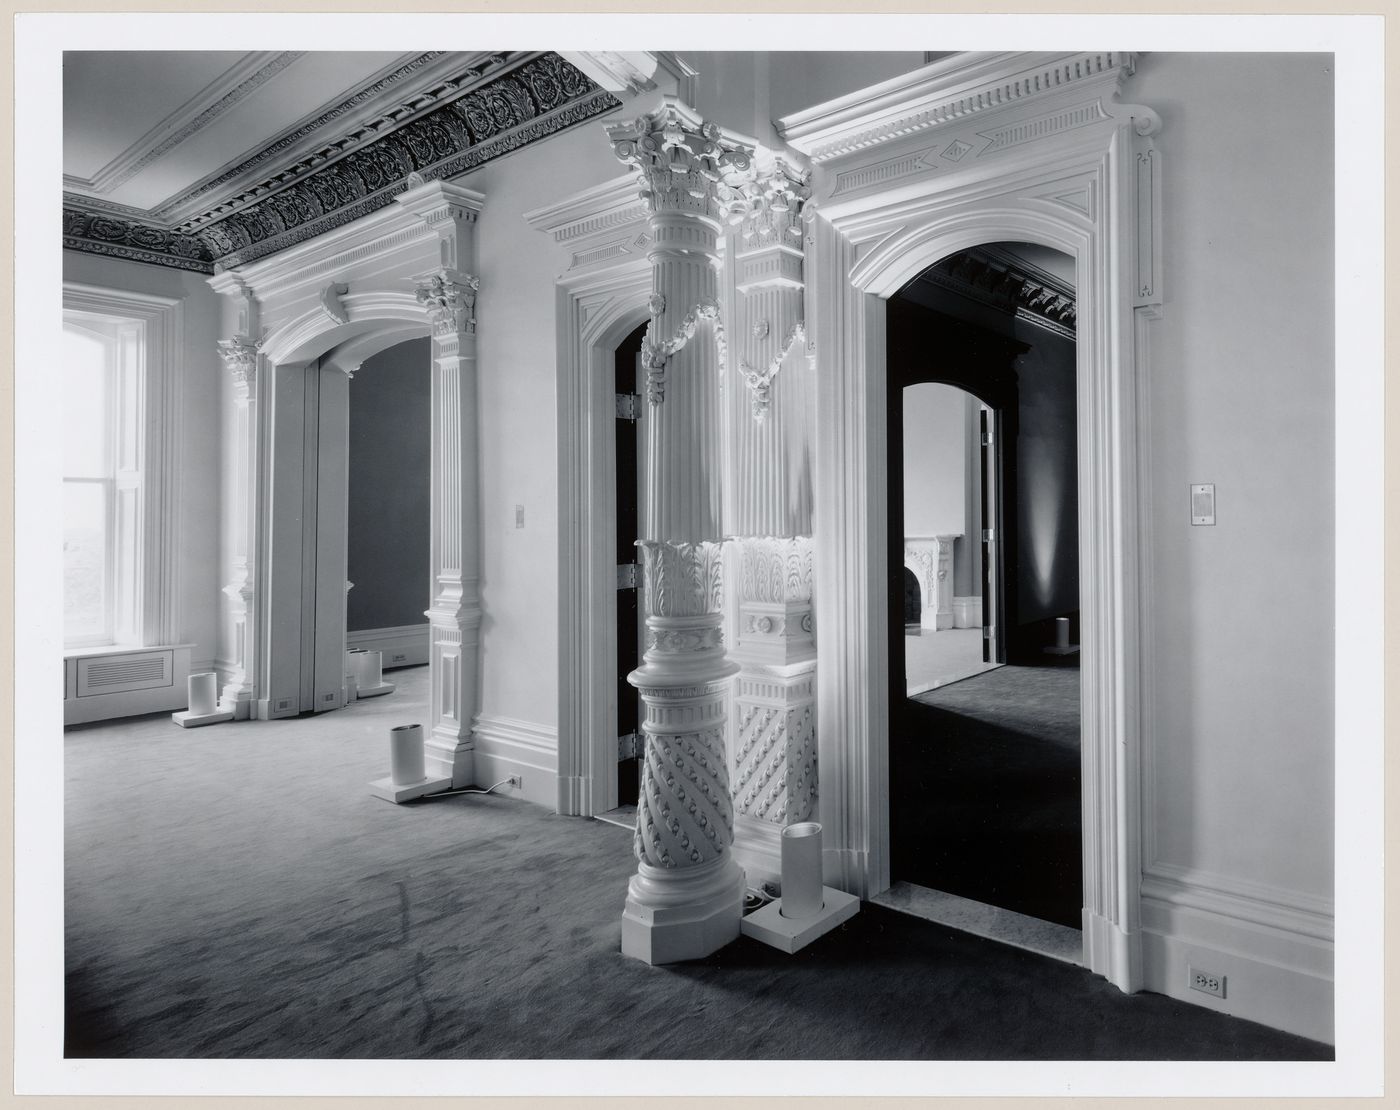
(142, 489)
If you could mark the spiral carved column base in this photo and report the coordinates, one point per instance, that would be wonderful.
(686, 899)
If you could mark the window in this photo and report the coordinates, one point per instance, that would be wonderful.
(119, 466)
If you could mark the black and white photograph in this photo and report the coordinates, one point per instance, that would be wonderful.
(807, 555)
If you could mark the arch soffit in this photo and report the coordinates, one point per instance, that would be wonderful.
(899, 258)
(612, 320)
(395, 314)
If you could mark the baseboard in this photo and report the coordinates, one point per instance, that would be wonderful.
(506, 746)
(1274, 947)
(404, 645)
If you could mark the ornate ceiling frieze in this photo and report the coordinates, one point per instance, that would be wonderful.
(181, 207)
(1008, 284)
(115, 237)
(535, 99)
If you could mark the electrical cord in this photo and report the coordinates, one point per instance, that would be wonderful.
(465, 790)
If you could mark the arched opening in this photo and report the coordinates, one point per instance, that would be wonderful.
(307, 524)
(389, 517)
(985, 794)
(913, 602)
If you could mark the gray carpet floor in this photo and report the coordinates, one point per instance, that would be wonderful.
(235, 891)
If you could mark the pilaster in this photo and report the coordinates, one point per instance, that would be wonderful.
(241, 635)
(685, 900)
(768, 410)
(448, 295)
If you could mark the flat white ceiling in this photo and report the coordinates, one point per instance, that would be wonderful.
(142, 127)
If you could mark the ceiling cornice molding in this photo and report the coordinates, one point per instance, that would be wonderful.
(953, 89)
(595, 209)
(417, 83)
(618, 71)
(438, 139)
(134, 241)
(1004, 281)
(216, 98)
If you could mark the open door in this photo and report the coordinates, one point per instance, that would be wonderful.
(628, 431)
(992, 649)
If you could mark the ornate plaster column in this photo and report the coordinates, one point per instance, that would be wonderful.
(685, 900)
(240, 639)
(448, 294)
(769, 411)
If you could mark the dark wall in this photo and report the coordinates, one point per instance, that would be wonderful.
(390, 425)
(1047, 497)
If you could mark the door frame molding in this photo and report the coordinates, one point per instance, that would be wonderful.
(599, 300)
(1029, 147)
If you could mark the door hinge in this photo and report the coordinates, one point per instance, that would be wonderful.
(986, 439)
(987, 630)
(988, 535)
(629, 405)
(629, 746)
(627, 575)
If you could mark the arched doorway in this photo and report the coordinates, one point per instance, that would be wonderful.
(985, 795)
(898, 189)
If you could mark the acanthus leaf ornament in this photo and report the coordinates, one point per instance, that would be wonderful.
(240, 356)
(450, 298)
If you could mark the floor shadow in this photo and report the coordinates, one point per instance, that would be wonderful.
(986, 793)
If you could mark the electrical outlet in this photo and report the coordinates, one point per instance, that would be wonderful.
(514, 781)
(284, 703)
(399, 658)
(1207, 982)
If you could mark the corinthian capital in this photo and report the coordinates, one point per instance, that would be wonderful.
(688, 164)
(776, 201)
(240, 355)
(450, 298)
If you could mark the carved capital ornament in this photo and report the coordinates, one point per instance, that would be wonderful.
(450, 299)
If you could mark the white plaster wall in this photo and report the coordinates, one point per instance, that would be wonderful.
(200, 440)
(935, 460)
(1241, 394)
(519, 463)
(747, 91)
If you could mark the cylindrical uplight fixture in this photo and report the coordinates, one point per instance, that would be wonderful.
(802, 870)
(204, 694)
(406, 755)
(371, 674)
(1062, 632)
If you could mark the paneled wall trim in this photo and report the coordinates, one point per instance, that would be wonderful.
(966, 151)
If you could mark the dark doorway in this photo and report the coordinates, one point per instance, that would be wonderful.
(985, 794)
(913, 601)
(627, 429)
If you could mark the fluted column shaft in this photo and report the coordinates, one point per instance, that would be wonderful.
(684, 902)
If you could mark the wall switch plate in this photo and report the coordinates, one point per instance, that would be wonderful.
(1203, 504)
(1207, 982)
(520, 516)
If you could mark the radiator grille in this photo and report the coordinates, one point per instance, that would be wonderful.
(113, 674)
